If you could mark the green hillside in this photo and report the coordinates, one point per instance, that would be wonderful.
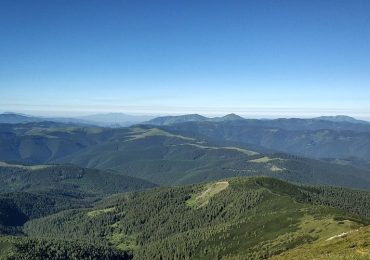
(19, 248)
(165, 156)
(65, 178)
(240, 218)
(33, 191)
(167, 159)
(19, 207)
(305, 137)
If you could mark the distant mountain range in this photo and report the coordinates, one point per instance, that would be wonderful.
(341, 118)
(120, 119)
(14, 118)
(170, 120)
(108, 119)
(112, 119)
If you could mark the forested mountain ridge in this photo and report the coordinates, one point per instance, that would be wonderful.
(32, 191)
(165, 156)
(309, 141)
(16, 208)
(304, 137)
(65, 178)
(42, 142)
(317, 123)
(248, 218)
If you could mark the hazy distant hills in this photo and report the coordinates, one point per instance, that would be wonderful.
(108, 119)
(114, 119)
(119, 119)
(13, 118)
(341, 118)
(170, 120)
(325, 122)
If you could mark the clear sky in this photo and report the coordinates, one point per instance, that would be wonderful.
(255, 58)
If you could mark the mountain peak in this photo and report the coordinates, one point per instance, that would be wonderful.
(233, 116)
(228, 117)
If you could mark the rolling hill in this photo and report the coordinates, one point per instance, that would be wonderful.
(66, 179)
(42, 142)
(31, 191)
(240, 218)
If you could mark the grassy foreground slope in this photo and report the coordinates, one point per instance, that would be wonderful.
(242, 218)
(351, 245)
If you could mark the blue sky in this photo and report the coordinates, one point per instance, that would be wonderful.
(263, 58)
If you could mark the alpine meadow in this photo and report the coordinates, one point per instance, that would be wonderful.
(184, 130)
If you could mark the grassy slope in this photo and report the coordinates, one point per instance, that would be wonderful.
(202, 199)
(354, 245)
(250, 218)
(6, 247)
